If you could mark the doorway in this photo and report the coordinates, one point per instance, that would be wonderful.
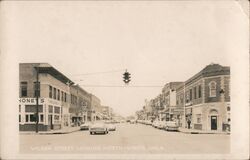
(213, 122)
(50, 122)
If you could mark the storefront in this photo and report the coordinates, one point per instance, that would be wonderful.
(50, 114)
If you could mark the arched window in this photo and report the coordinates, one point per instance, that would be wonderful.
(212, 89)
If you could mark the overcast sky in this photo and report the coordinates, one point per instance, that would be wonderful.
(157, 42)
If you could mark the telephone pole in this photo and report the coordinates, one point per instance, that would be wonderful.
(37, 98)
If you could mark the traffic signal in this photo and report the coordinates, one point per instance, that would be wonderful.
(126, 77)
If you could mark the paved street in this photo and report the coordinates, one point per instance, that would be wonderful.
(128, 138)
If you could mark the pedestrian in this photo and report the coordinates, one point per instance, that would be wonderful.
(189, 122)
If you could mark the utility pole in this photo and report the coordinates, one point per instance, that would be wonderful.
(37, 97)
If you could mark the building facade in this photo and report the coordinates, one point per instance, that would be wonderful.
(53, 90)
(207, 102)
(95, 111)
(169, 101)
(79, 104)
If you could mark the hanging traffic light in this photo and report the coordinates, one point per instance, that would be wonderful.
(126, 77)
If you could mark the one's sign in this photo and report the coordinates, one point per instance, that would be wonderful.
(31, 101)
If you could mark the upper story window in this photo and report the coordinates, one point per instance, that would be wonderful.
(199, 91)
(187, 97)
(54, 93)
(24, 89)
(195, 92)
(212, 89)
(190, 95)
(36, 89)
(58, 94)
(65, 97)
(181, 98)
(62, 96)
(50, 91)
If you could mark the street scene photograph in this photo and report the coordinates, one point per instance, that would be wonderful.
(115, 77)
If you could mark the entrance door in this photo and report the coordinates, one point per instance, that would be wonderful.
(50, 121)
(213, 122)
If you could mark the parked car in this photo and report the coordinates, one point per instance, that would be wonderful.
(132, 121)
(111, 127)
(162, 124)
(98, 127)
(148, 122)
(172, 126)
(85, 126)
(155, 123)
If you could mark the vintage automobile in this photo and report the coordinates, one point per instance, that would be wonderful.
(162, 124)
(85, 126)
(171, 126)
(111, 127)
(98, 127)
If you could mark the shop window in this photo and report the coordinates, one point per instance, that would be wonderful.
(32, 118)
(24, 89)
(32, 108)
(212, 89)
(36, 88)
(41, 118)
(56, 118)
(50, 91)
(198, 117)
(54, 93)
(26, 118)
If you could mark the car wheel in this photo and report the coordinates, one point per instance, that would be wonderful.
(90, 132)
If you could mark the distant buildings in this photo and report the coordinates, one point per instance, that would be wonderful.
(61, 102)
(202, 102)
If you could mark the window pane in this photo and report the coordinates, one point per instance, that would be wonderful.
(57, 110)
(199, 91)
(36, 89)
(19, 118)
(54, 96)
(58, 94)
(32, 118)
(50, 91)
(62, 98)
(32, 108)
(24, 88)
(26, 118)
(41, 118)
(50, 109)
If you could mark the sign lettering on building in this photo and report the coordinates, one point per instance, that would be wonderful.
(31, 100)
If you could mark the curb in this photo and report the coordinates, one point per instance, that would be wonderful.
(44, 133)
(197, 132)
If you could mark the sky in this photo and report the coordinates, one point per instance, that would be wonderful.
(157, 42)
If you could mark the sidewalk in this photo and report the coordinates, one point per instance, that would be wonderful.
(195, 131)
(64, 130)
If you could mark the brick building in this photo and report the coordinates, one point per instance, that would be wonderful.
(95, 103)
(80, 104)
(169, 101)
(53, 92)
(207, 98)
